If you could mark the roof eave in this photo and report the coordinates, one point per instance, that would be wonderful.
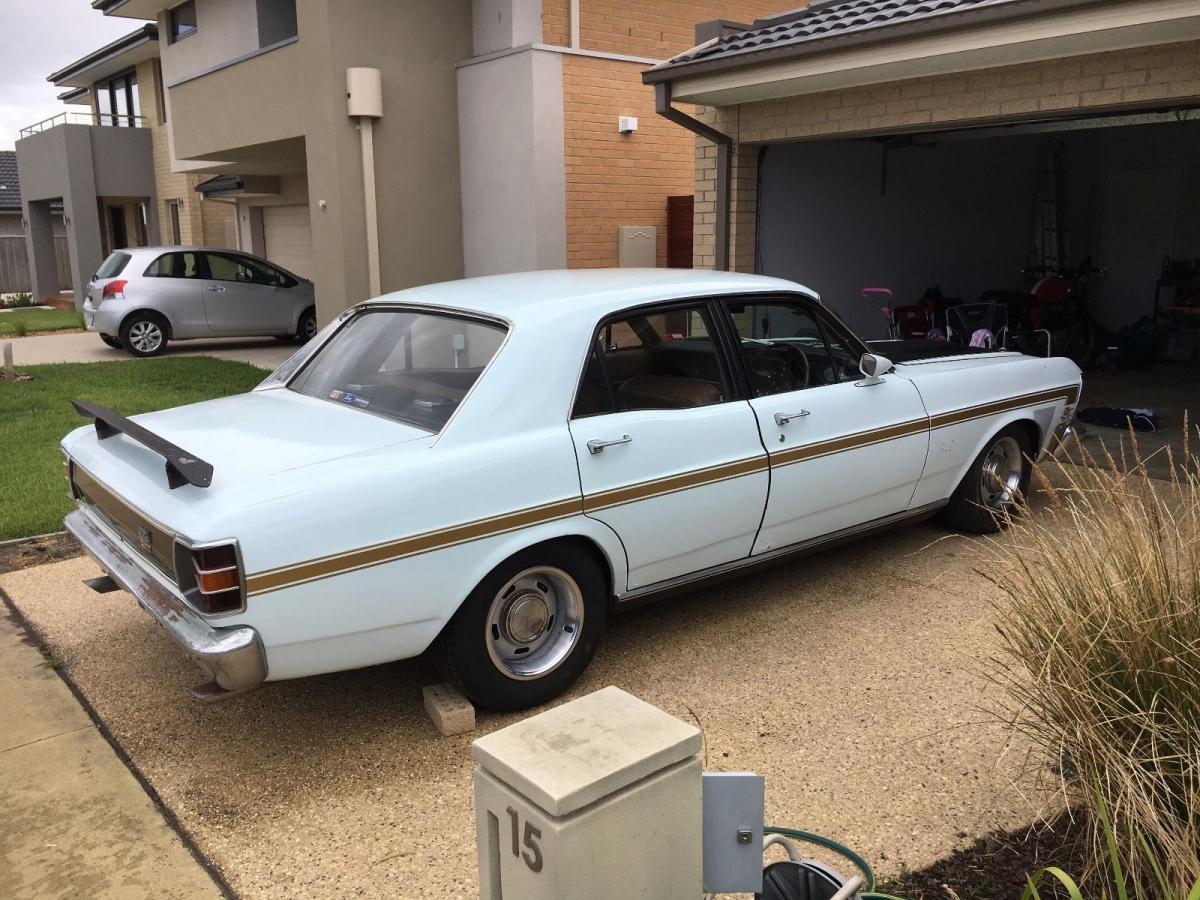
(146, 34)
(835, 41)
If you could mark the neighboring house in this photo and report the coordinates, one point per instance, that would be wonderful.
(109, 169)
(498, 147)
(14, 265)
(911, 144)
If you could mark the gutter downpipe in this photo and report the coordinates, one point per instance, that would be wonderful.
(662, 104)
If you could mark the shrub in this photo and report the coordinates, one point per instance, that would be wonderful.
(20, 329)
(19, 300)
(1100, 652)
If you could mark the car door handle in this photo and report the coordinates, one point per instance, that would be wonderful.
(782, 419)
(595, 447)
(215, 288)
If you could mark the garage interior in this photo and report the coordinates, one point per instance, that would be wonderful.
(967, 212)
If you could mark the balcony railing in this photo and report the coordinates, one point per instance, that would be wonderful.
(82, 118)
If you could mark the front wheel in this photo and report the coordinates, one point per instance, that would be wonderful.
(306, 328)
(529, 629)
(995, 484)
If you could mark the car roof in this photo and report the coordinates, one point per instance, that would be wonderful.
(592, 292)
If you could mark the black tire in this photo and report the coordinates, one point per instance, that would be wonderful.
(306, 326)
(137, 334)
(974, 506)
(113, 342)
(472, 640)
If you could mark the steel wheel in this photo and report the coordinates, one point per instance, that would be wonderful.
(1000, 475)
(534, 622)
(146, 336)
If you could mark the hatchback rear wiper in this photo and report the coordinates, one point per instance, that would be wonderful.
(182, 467)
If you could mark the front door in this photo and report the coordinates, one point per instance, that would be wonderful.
(243, 295)
(843, 451)
(667, 457)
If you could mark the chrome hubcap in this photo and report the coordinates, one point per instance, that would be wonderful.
(1000, 478)
(534, 623)
(145, 336)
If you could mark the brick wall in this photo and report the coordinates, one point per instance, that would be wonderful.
(614, 179)
(657, 29)
(1097, 83)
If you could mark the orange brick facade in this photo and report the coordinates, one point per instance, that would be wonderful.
(614, 179)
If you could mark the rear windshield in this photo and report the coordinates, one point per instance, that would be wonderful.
(112, 266)
(407, 365)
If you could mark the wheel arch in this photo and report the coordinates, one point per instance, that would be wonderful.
(149, 311)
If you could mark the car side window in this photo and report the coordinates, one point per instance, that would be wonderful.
(788, 346)
(175, 265)
(226, 267)
(653, 360)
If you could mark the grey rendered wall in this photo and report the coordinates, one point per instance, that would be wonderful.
(510, 113)
(415, 45)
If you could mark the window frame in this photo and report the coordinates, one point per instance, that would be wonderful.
(733, 380)
(820, 313)
(173, 34)
(124, 84)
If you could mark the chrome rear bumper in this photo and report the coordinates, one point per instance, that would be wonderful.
(233, 656)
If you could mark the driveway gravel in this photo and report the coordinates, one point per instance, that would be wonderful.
(849, 679)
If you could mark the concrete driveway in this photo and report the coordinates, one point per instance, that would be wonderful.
(849, 679)
(85, 347)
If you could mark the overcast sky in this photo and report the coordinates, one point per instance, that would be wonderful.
(40, 37)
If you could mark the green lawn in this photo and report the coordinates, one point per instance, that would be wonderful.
(22, 321)
(34, 416)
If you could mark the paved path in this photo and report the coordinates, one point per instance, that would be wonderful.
(83, 346)
(74, 822)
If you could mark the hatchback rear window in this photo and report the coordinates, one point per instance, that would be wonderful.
(113, 266)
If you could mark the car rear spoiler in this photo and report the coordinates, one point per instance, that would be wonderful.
(182, 467)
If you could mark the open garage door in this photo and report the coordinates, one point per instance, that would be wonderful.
(287, 234)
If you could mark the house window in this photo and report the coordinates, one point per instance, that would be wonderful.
(117, 101)
(182, 20)
(173, 211)
(160, 97)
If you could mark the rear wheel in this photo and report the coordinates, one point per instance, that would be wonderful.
(991, 491)
(112, 341)
(144, 334)
(529, 629)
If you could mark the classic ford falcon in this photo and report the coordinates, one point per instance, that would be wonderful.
(493, 465)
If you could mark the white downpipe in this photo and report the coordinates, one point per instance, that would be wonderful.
(574, 16)
(366, 131)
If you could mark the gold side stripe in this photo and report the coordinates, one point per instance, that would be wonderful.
(673, 483)
(389, 551)
(398, 549)
(848, 442)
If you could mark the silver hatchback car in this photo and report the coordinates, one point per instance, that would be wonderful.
(142, 297)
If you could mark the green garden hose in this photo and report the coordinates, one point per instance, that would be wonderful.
(841, 850)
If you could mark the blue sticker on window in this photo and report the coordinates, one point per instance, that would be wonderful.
(348, 398)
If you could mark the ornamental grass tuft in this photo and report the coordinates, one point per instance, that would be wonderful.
(1100, 652)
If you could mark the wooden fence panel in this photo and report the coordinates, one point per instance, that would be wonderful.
(14, 264)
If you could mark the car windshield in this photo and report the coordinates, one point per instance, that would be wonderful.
(404, 364)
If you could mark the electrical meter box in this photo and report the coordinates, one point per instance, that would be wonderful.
(594, 799)
(637, 246)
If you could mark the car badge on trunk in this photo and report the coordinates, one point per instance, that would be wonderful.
(145, 538)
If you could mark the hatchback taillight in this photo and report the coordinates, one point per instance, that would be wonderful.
(115, 288)
(218, 581)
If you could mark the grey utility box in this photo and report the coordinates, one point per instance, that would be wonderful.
(596, 799)
(637, 246)
(733, 832)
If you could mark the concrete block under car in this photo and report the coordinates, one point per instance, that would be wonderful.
(450, 711)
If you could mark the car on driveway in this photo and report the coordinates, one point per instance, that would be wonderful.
(142, 297)
(494, 465)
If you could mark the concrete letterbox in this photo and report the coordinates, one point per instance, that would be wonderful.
(595, 799)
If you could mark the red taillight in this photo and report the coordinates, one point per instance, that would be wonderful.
(218, 581)
(114, 289)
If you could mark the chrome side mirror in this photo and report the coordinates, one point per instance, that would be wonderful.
(874, 367)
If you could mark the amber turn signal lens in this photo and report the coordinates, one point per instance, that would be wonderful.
(214, 582)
